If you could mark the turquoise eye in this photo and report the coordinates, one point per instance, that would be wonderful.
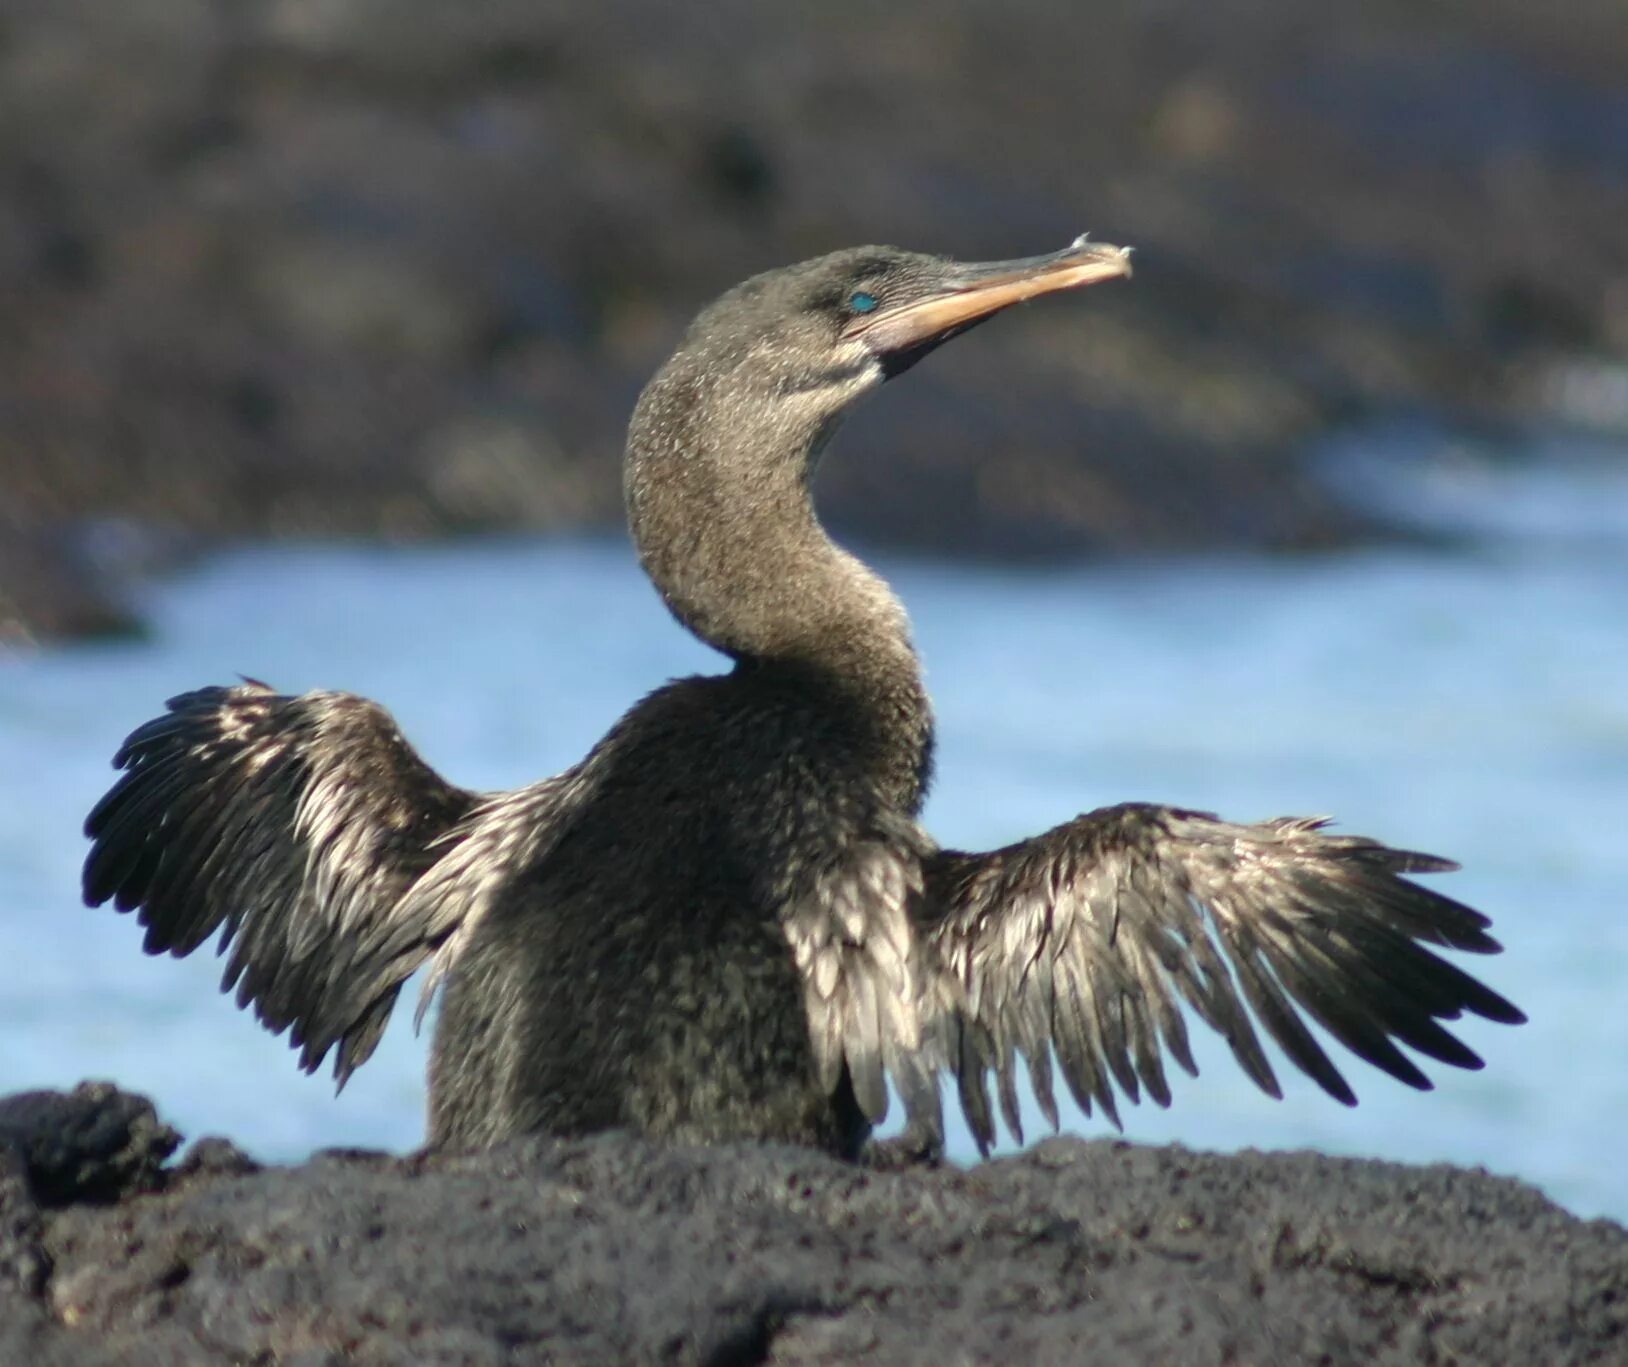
(860, 302)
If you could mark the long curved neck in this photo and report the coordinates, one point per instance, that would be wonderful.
(720, 510)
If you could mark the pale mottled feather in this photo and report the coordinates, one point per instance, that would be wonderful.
(873, 998)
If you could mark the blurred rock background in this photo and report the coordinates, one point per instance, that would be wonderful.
(334, 267)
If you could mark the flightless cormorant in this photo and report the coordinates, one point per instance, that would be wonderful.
(726, 921)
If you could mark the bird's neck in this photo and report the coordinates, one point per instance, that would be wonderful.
(726, 529)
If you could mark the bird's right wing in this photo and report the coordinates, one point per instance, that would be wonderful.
(1086, 941)
(876, 1007)
(294, 825)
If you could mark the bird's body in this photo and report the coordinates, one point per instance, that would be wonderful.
(726, 921)
(659, 991)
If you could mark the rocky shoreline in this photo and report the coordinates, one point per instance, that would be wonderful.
(618, 1250)
(275, 268)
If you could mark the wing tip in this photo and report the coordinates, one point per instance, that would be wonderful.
(1417, 861)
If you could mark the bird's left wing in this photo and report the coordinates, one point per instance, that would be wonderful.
(1085, 942)
(292, 825)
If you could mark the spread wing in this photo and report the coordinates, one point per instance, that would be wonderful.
(1085, 941)
(293, 825)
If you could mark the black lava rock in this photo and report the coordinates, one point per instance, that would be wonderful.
(617, 1250)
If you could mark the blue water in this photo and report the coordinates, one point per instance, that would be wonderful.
(1471, 702)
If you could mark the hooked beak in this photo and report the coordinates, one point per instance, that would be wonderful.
(971, 293)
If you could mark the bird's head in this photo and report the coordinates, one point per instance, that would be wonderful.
(723, 438)
(788, 350)
(839, 324)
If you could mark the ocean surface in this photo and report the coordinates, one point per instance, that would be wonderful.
(1470, 701)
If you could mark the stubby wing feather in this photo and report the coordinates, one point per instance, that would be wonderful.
(872, 1001)
(292, 825)
(1085, 942)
